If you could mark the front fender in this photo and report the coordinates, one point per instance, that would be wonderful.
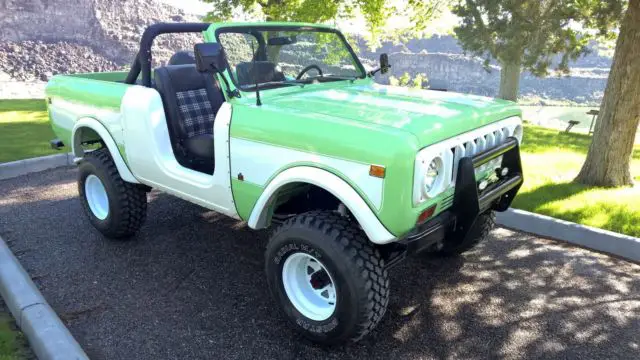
(98, 128)
(375, 230)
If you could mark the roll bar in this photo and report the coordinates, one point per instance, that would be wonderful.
(142, 62)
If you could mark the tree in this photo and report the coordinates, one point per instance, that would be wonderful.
(607, 162)
(375, 12)
(532, 34)
(419, 82)
(403, 80)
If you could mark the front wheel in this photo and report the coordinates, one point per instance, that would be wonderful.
(328, 279)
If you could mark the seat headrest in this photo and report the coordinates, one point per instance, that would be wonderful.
(179, 78)
(265, 71)
(182, 58)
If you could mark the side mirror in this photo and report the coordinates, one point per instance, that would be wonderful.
(209, 57)
(384, 63)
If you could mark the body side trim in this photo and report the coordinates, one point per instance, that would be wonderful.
(95, 125)
(66, 113)
(259, 163)
(308, 151)
(376, 232)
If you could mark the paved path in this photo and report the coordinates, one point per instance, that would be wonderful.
(191, 286)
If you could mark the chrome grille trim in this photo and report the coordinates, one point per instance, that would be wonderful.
(466, 144)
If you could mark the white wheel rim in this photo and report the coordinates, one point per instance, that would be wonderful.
(96, 196)
(309, 286)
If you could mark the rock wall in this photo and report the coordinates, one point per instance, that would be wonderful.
(99, 35)
(457, 72)
(447, 44)
(443, 61)
(36, 60)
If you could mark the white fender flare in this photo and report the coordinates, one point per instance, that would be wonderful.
(376, 232)
(95, 125)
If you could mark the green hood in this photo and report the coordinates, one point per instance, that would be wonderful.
(431, 116)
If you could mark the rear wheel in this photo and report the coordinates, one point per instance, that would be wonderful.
(328, 279)
(115, 207)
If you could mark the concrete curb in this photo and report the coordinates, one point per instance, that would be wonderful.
(624, 246)
(22, 167)
(48, 337)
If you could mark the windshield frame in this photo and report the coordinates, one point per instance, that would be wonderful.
(247, 29)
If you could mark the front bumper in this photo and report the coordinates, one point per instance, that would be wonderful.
(468, 200)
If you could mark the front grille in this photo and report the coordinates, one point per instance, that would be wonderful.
(468, 144)
(476, 145)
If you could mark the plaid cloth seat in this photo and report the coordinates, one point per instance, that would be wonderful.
(196, 111)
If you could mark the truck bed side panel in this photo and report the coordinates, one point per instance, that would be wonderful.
(72, 97)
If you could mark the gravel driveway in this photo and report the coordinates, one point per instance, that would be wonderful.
(191, 286)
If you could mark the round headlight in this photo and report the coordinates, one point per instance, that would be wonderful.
(432, 182)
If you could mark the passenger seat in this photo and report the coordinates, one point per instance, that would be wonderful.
(191, 101)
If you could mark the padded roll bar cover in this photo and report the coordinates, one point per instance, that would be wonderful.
(142, 65)
(209, 57)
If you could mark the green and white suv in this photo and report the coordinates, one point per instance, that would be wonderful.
(279, 124)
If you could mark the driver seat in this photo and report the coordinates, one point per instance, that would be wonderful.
(191, 101)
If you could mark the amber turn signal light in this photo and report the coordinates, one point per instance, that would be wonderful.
(426, 214)
(376, 171)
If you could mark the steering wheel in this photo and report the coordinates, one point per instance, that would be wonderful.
(312, 66)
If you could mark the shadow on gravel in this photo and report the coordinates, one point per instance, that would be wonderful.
(191, 285)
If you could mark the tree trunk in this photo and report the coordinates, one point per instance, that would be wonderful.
(273, 52)
(607, 162)
(509, 81)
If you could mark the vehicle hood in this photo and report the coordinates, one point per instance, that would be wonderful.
(431, 116)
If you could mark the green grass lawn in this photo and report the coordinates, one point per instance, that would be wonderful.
(13, 346)
(24, 130)
(551, 160)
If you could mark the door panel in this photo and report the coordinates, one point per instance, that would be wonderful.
(151, 159)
